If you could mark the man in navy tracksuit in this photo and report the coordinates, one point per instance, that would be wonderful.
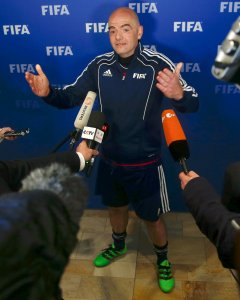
(131, 83)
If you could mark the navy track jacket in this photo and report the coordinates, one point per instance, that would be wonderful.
(130, 101)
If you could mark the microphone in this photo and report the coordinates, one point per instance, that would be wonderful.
(83, 116)
(175, 138)
(227, 62)
(94, 133)
(16, 133)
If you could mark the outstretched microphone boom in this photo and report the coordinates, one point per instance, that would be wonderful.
(16, 133)
(175, 138)
(80, 121)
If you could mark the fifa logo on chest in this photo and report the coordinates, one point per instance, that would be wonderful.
(187, 26)
(54, 10)
(15, 29)
(59, 50)
(139, 76)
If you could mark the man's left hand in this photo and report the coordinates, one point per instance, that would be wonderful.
(168, 83)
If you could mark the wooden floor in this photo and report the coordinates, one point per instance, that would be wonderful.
(197, 270)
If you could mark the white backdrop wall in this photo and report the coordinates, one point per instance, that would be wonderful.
(63, 36)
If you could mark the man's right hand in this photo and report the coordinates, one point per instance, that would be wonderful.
(86, 152)
(38, 83)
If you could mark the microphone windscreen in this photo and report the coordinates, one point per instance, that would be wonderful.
(93, 132)
(179, 149)
(174, 135)
(171, 126)
(85, 111)
(96, 120)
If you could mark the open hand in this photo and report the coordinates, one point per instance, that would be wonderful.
(168, 83)
(38, 83)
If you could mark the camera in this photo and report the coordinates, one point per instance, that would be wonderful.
(227, 62)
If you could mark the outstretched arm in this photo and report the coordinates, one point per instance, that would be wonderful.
(38, 83)
(13, 171)
(212, 218)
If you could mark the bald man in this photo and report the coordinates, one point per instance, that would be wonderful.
(131, 83)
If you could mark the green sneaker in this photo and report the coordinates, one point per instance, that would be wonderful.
(108, 255)
(165, 280)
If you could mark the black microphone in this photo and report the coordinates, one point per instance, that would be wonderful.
(16, 133)
(226, 66)
(94, 133)
(175, 138)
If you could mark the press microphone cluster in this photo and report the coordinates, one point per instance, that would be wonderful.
(226, 66)
(16, 133)
(175, 138)
(83, 116)
(94, 134)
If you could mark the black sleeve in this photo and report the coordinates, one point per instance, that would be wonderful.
(13, 171)
(212, 218)
(231, 187)
(74, 94)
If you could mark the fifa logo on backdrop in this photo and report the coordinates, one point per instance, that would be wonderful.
(227, 89)
(150, 47)
(144, 8)
(191, 67)
(59, 50)
(54, 10)
(187, 26)
(96, 27)
(15, 29)
(21, 68)
(229, 6)
(27, 104)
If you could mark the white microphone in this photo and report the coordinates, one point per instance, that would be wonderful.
(85, 111)
(83, 116)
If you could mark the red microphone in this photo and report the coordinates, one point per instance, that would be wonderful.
(175, 138)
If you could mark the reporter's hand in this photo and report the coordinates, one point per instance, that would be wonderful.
(6, 129)
(38, 83)
(86, 152)
(186, 178)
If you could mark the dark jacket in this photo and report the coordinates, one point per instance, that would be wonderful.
(13, 171)
(37, 236)
(212, 218)
(231, 187)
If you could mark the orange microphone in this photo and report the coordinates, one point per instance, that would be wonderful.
(175, 138)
